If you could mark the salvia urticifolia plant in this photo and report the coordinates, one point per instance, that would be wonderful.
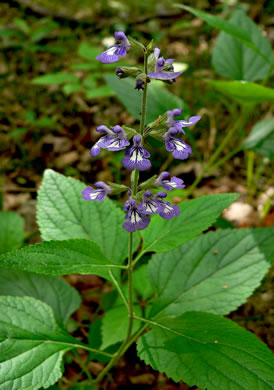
(174, 288)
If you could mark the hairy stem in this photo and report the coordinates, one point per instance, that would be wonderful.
(144, 100)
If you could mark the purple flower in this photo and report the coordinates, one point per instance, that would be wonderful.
(160, 73)
(148, 206)
(135, 219)
(113, 53)
(103, 190)
(177, 146)
(167, 211)
(114, 140)
(168, 185)
(136, 156)
(181, 123)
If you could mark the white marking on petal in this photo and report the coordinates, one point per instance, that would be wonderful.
(133, 157)
(115, 144)
(111, 51)
(151, 207)
(138, 218)
(139, 156)
(167, 209)
(93, 195)
(179, 145)
(172, 184)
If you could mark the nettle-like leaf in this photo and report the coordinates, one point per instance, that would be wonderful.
(235, 60)
(195, 216)
(214, 273)
(11, 231)
(59, 295)
(208, 351)
(31, 344)
(115, 324)
(63, 214)
(60, 258)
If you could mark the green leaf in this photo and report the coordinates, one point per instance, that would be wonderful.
(159, 100)
(195, 216)
(11, 231)
(70, 88)
(230, 28)
(99, 92)
(243, 91)
(208, 351)
(63, 214)
(115, 324)
(214, 273)
(58, 294)
(261, 138)
(88, 52)
(31, 344)
(235, 60)
(142, 283)
(22, 25)
(55, 79)
(60, 258)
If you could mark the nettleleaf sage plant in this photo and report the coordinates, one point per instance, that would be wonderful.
(170, 302)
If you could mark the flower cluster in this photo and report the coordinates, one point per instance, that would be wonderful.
(144, 201)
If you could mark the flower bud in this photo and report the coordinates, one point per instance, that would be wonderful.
(127, 71)
(150, 48)
(117, 188)
(129, 131)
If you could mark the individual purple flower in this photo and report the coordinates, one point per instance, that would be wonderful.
(180, 149)
(113, 53)
(100, 194)
(181, 123)
(148, 205)
(168, 185)
(137, 156)
(160, 73)
(135, 219)
(113, 140)
(167, 211)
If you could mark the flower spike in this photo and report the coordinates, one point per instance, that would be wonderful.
(177, 146)
(113, 53)
(137, 156)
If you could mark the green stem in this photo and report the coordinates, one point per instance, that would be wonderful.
(134, 186)
(249, 174)
(119, 289)
(144, 100)
(82, 365)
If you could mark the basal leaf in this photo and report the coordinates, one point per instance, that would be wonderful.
(208, 351)
(63, 214)
(230, 28)
(261, 138)
(233, 59)
(115, 323)
(58, 294)
(31, 344)
(11, 231)
(159, 100)
(59, 258)
(214, 273)
(195, 216)
(243, 91)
